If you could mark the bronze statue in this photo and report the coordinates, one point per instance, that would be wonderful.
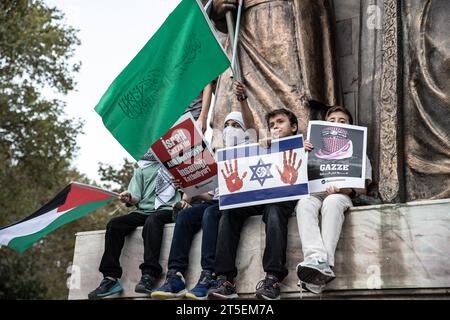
(286, 56)
(427, 108)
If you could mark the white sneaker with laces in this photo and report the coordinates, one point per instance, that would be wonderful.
(315, 270)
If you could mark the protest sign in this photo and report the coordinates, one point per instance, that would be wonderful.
(186, 155)
(252, 175)
(339, 155)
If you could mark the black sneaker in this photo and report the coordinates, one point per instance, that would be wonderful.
(223, 289)
(107, 287)
(146, 284)
(268, 288)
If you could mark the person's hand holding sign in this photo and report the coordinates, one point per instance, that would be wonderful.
(177, 183)
(290, 172)
(234, 183)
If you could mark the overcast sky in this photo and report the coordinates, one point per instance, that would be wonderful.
(112, 32)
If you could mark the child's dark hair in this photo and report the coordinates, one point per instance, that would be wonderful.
(339, 109)
(291, 116)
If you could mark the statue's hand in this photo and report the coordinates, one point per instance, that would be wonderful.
(222, 6)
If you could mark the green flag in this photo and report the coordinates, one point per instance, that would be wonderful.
(151, 93)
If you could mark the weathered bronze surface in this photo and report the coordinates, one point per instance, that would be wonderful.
(286, 53)
(390, 154)
(287, 58)
(427, 105)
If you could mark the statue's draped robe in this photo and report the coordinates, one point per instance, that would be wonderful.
(286, 55)
(427, 108)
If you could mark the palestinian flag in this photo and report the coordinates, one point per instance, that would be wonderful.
(75, 201)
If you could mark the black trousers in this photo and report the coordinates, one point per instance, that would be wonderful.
(275, 216)
(116, 231)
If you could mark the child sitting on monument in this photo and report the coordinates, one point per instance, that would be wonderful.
(281, 123)
(151, 192)
(319, 244)
(189, 221)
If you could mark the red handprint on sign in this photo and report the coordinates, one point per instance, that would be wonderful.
(290, 172)
(234, 183)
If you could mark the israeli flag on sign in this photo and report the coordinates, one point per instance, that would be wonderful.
(251, 174)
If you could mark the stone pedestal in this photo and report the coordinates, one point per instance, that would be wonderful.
(384, 251)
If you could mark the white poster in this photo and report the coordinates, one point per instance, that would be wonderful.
(339, 155)
(251, 174)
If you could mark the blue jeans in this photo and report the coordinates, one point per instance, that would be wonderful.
(189, 221)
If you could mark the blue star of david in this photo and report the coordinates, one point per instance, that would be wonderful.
(261, 172)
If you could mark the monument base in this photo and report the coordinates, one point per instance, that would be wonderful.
(385, 251)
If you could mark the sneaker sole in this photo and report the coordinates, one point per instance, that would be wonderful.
(161, 295)
(263, 297)
(218, 296)
(304, 287)
(104, 295)
(192, 296)
(314, 276)
(142, 290)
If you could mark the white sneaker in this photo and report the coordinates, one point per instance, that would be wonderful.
(315, 270)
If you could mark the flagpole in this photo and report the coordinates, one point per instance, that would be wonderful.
(208, 6)
(236, 38)
(236, 67)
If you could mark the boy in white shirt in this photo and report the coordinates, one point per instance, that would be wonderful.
(319, 244)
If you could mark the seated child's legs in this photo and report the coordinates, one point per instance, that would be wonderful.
(308, 227)
(333, 209)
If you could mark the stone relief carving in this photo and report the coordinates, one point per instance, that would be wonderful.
(427, 109)
(287, 57)
(389, 185)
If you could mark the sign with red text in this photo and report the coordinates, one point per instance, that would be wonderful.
(184, 152)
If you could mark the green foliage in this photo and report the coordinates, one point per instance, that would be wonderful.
(38, 144)
(118, 177)
(36, 46)
(37, 141)
(18, 277)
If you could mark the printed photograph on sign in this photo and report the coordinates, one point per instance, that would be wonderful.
(251, 174)
(339, 155)
(185, 154)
